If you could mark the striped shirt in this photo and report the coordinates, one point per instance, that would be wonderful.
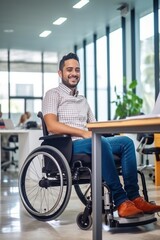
(72, 110)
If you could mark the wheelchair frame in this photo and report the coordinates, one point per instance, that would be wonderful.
(47, 176)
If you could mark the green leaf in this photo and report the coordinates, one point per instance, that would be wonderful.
(127, 104)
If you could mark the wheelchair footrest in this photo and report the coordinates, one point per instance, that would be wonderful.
(131, 222)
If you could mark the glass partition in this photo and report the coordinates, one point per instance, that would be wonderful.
(147, 62)
(102, 79)
(90, 76)
(116, 71)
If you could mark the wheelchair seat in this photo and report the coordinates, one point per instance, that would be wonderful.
(50, 171)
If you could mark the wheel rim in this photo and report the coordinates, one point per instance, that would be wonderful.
(44, 203)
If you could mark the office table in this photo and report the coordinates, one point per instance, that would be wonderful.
(28, 140)
(136, 125)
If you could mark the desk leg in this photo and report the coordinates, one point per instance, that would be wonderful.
(157, 163)
(97, 187)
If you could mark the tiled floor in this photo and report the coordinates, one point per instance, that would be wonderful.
(16, 224)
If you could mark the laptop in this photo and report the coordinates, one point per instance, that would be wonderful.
(156, 109)
(155, 113)
(8, 124)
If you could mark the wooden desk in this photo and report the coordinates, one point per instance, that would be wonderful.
(140, 125)
(28, 140)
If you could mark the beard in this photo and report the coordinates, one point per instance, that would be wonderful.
(70, 85)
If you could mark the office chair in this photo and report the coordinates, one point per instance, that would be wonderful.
(146, 139)
(13, 139)
(31, 125)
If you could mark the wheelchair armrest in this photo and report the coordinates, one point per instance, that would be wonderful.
(55, 136)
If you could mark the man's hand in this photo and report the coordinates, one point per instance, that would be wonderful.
(87, 134)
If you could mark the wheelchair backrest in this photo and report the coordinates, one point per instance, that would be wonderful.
(44, 127)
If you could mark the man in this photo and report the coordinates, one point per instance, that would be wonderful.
(66, 112)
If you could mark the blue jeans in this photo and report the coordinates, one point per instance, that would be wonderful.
(124, 147)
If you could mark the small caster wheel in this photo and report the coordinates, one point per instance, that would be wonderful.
(84, 225)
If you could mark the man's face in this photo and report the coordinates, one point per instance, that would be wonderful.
(70, 74)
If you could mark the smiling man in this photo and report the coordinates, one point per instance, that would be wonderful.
(67, 112)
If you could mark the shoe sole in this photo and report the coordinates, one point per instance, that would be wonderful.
(133, 216)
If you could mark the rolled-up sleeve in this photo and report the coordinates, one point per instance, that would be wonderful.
(50, 102)
(91, 117)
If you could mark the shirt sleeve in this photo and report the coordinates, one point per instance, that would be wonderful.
(50, 102)
(91, 117)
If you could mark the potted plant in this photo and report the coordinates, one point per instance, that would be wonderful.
(127, 104)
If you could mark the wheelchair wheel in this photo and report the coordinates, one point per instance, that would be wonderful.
(45, 183)
(83, 191)
(82, 223)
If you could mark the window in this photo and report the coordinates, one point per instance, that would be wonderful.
(90, 76)
(51, 79)
(81, 60)
(147, 62)
(4, 82)
(26, 84)
(116, 73)
(102, 78)
(31, 73)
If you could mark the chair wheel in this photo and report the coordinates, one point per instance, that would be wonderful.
(153, 179)
(84, 225)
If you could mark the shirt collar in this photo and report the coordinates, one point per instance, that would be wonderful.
(67, 90)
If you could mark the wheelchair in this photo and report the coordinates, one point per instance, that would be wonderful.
(48, 174)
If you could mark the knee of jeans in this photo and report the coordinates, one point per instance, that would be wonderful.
(127, 140)
(105, 143)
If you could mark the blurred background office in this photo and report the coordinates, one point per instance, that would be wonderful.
(113, 40)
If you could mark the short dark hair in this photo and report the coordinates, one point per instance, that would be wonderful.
(67, 57)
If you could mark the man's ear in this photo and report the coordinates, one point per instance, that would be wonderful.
(60, 73)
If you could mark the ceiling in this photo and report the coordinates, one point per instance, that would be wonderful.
(29, 18)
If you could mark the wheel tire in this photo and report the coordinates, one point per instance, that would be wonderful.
(45, 196)
(84, 225)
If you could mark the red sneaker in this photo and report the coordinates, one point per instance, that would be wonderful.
(145, 206)
(128, 210)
